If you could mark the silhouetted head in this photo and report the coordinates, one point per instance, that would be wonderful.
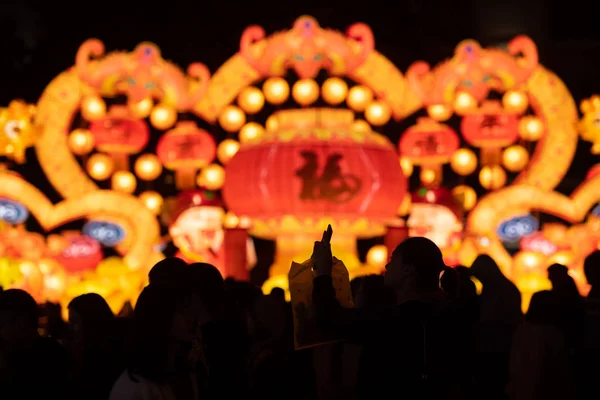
(486, 270)
(278, 294)
(466, 285)
(207, 283)
(18, 318)
(169, 271)
(449, 282)
(90, 317)
(415, 265)
(562, 283)
(544, 308)
(591, 268)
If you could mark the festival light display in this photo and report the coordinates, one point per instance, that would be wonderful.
(266, 146)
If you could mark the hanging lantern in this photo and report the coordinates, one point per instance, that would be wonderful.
(81, 253)
(120, 135)
(185, 149)
(429, 144)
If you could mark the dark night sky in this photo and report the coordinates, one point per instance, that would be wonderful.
(39, 39)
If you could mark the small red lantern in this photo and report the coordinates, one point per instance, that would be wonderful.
(490, 126)
(81, 254)
(119, 134)
(428, 142)
(185, 149)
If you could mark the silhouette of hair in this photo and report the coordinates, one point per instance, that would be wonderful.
(466, 285)
(96, 316)
(591, 268)
(486, 270)
(562, 283)
(152, 329)
(427, 259)
(19, 304)
(207, 283)
(449, 282)
(543, 308)
(278, 293)
(170, 271)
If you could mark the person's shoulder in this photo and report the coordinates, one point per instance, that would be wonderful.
(126, 388)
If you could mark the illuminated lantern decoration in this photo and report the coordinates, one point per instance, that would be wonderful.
(251, 131)
(276, 90)
(589, 125)
(439, 112)
(334, 91)
(515, 101)
(142, 108)
(463, 162)
(538, 242)
(153, 201)
(212, 177)
(512, 231)
(515, 158)
(232, 119)
(147, 167)
(82, 253)
(81, 142)
(163, 116)
(360, 125)
(100, 166)
(124, 181)
(492, 177)
(185, 149)
(272, 123)
(305, 91)
(531, 128)
(465, 196)
(311, 172)
(93, 107)
(251, 100)
(12, 212)
(490, 126)
(120, 135)
(429, 144)
(407, 166)
(464, 103)
(107, 233)
(227, 149)
(377, 256)
(359, 97)
(378, 113)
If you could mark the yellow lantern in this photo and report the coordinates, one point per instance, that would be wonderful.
(227, 149)
(251, 100)
(147, 167)
(378, 113)
(407, 166)
(93, 107)
(465, 196)
(231, 220)
(531, 128)
(428, 176)
(142, 108)
(359, 97)
(377, 256)
(439, 112)
(212, 177)
(163, 116)
(232, 118)
(362, 126)
(153, 201)
(251, 131)
(81, 142)
(515, 101)
(334, 91)
(305, 91)
(515, 158)
(124, 181)
(272, 123)
(463, 162)
(276, 90)
(100, 166)
(464, 102)
(492, 177)
(406, 205)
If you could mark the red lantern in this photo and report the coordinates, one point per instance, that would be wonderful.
(490, 126)
(428, 143)
(81, 254)
(119, 134)
(185, 149)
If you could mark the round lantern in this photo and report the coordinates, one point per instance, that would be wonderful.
(93, 107)
(251, 100)
(334, 91)
(515, 158)
(429, 144)
(147, 167)
(490, 126)
(81, 253)
(124, 181)
(232, 119)
(163, 116)
(305, 91)
(463, 162)
(378, 113)
(185, 149)
(492, 177)
(100, 166)
(227, 149)
(276, 90)
(359, 97)
(153, 201)
(120, 135)
(251, 131)
(81, 142)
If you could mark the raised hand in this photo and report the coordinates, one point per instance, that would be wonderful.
(322, 257)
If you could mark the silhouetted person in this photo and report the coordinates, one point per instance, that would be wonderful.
(500, 313)
(31, 367)
(591, 268)
(96, 352)
(171, 270)
(404, 351)
(450, 283)
(589, 362)
(539, 363)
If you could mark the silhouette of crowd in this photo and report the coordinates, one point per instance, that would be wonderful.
(420, 331)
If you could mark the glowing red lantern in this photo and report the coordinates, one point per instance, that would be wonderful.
(185, 149)
(428, 142)
(119, 134)
(81, 254)
(490, 126)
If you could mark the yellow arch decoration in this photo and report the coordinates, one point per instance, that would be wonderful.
(144, 231)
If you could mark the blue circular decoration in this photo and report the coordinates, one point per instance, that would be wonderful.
(596, 211)
(12, 212)
(107, 233)
(514, 229)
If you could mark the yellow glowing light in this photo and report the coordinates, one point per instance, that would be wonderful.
(163, 116)
(124, 181)
(153, 201)
(492, 177)
(212, 177)
(142, 108)
(515, 101)
(93, 107)
(272, 123)
(100, 166)
(531, 128)
(428, 176)
(564, 257)
(251, 131)
(359, 97)
(406, 205)
(362, 126)
(231, 220)
(227, 149)
(251, 100)
(276, 90)
(465, 196)
(305, 91)
(334, 91)
(147, 167)
(232, 119)
(377, 256)
(464, 102)
(407, 166)
(515, 158)
(378, 113)
(439, 112)
(463, 162)
(81, 142)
